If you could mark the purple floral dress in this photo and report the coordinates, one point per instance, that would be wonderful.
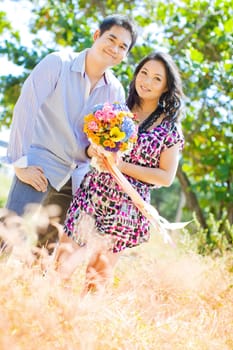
(113, 211)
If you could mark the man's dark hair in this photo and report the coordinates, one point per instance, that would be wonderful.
(120, 21)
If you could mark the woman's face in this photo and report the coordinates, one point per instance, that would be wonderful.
(151, 80)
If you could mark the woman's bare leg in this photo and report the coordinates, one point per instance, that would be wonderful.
(68, 256)
(99, 271)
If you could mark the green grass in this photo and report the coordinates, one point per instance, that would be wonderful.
(5, 181)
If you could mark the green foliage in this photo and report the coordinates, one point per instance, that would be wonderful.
(4, 187)
(9, 89)
(215, 240)
(168, 202)
(199, 36)
(73, 22)
(4, 23)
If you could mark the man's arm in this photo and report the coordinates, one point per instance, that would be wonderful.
(36, 88)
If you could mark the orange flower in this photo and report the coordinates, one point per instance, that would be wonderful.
(109, 143)
(96, 139)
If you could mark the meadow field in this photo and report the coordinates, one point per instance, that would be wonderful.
(162, 298)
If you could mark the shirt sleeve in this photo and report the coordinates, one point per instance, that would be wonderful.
(36, 88)
(174, 136)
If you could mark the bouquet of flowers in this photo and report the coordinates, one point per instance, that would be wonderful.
(111, 126)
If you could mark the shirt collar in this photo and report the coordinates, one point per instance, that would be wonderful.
(78, 65)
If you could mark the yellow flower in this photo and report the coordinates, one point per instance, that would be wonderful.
(121, 114)
(89, 117)
(85, 128)
(123, 146)
(116, 134)
(134, 139)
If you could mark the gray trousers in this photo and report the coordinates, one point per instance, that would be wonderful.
(22, 195)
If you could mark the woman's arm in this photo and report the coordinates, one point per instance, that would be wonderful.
(162, 176)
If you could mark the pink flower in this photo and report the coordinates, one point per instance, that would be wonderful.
(99, 115)
(107, 107)
(93, 126)
(109, 113)
(105, 115)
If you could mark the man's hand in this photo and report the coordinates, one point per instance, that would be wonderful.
(34, 176)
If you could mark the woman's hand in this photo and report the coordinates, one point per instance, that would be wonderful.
(99, 157)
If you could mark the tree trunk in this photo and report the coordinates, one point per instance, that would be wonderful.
(181, 204)
(191, 199)
(230, 214)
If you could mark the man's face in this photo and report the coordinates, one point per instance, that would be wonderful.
(112, 46)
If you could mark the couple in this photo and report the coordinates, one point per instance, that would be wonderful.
(51, 153)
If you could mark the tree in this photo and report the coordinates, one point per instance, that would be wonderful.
(198, 34)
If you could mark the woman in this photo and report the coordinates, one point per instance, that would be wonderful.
(155, 97)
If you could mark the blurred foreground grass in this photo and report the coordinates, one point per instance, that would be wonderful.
(162, 298)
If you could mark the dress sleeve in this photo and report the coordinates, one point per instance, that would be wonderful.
(174, 136)
(36, 88)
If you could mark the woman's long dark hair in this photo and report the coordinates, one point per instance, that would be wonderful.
(170, 101)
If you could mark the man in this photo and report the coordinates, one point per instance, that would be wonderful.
(47, 145)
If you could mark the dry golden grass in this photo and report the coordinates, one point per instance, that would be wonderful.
(162, 298)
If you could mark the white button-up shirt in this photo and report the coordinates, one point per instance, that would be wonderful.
(47, 126)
